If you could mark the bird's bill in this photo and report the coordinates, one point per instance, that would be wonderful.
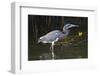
(74, 25)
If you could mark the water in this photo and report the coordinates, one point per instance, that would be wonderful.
(59, 51)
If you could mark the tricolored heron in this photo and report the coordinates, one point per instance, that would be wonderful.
(55, 36)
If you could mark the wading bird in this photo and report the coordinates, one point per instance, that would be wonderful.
(55, 36)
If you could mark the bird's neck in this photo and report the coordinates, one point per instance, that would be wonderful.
(66, 32)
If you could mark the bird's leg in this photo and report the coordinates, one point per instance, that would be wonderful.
(52, 50)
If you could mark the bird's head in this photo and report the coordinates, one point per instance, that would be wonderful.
(68, 26)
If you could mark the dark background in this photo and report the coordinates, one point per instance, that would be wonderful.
(73, 47)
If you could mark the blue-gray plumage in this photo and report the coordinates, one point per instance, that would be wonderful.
(55, 36)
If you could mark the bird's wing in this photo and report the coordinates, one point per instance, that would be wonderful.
(53, 35)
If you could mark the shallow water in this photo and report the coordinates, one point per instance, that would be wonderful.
(65, 51)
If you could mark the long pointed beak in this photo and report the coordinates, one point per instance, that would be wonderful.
(74, 25)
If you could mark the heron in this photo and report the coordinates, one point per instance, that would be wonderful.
(55, 36)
